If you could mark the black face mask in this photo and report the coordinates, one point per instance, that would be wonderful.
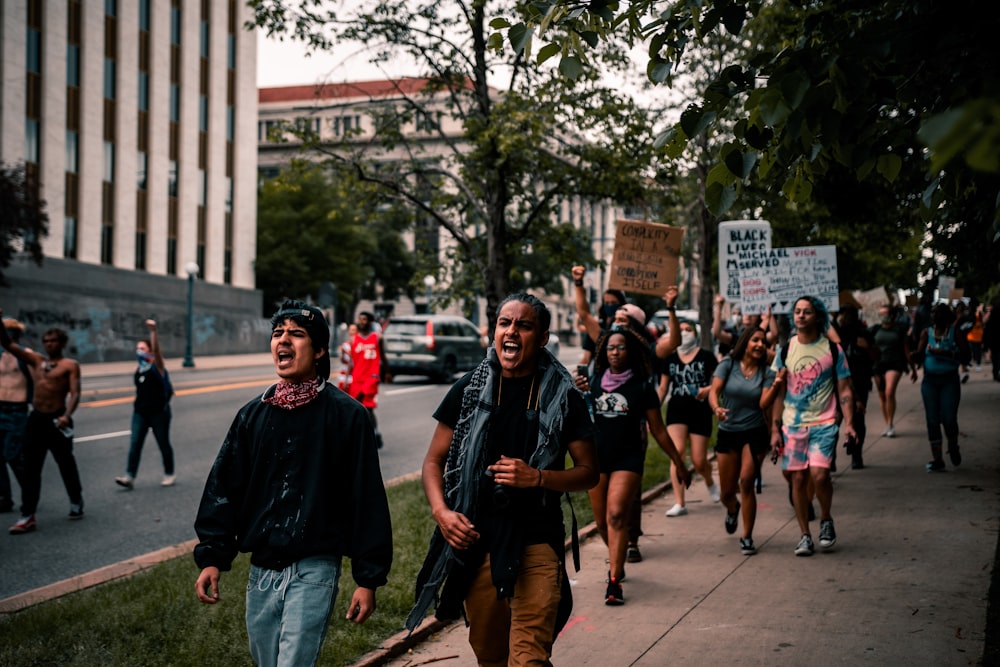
(608, 310)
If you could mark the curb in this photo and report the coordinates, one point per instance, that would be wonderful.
(402, 642)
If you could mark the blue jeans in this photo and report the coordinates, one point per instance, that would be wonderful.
(941, 394)
(288, 612)
(160, 423)
(12, 422)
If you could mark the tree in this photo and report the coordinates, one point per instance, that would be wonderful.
(889, 92)
(314, 227)
(23, 220)
(496, 184)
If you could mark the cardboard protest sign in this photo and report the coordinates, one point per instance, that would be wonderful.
(871, 300)
(645, 257)
(956, 294)
(741, 242)
(787, 274)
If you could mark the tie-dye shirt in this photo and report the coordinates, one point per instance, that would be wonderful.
(810, 395)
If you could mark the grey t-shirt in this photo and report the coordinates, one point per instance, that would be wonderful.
(741, 395)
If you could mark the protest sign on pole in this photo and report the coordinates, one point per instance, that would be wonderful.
(645, 257)
(740, 242)
(787, 274)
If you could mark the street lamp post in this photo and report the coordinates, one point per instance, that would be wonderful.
(191, 268)
(429, 284)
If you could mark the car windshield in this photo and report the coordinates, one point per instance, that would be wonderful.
(406, 329)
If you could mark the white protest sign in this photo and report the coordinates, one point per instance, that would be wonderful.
(787, 274)
(740, 242)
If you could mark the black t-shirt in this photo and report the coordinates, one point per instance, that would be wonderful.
(619, 416)
(514, 433)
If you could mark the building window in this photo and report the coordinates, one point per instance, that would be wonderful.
(34, 63)
(204, 39)
(230, 123)
(72, 151)
(109, 79)
(172, 256)
(143, 91)
(31, 151)
(73, 65)
(202, 187)
(175, 103)
(144, 15)
(109, 162)
(203, 113)
(69, 238)
(107, 244)
(140, 251)
(111, 7)
(142, 164)
(175, 25)
(172, 182)
(231, 51)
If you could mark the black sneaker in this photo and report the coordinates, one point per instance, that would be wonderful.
(955, 455)
(614, 596)
(732, 519)
(805, 546)
(936, 465)
(827, 535)
(76, 510)
(633, 555)
(746, 546)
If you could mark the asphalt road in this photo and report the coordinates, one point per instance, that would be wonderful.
(121, 524)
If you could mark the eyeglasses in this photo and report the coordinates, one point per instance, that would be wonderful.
(617, 348)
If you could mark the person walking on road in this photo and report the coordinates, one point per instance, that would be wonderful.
(688, 375)
(623, 397)
(16, 387)
(862, 353)
(743, 387)
(493, 475)
(893, 360)
(804, 429)
(151, 409)
(56, 395)
(297, 485)
(368, 367)
(943, 351)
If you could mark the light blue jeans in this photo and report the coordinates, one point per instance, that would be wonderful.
(288, 612)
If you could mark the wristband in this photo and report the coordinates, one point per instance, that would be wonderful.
(539, 477)
(671, 308)
(578, 283)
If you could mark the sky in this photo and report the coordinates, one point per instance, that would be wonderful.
(286, 64)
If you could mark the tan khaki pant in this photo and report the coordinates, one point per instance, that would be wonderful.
(516, 631)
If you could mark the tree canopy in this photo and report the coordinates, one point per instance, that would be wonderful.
(23, 219)
(504, 143)
(899, 98)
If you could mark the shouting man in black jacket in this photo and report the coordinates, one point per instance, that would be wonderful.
(297, 484)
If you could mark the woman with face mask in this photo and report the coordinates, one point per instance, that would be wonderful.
(686, 378)
(151, 409)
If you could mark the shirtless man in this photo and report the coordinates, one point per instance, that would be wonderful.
(56, 396)
(15, 395)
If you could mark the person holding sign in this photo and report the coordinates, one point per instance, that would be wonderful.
(804, 431)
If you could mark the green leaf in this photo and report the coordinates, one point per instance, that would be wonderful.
(889, 166)
(695, 120)
(591, 38)
(657, 70)
(719, 199)
(547, 52)
(494, 42)
(772, 107)
(794, 87)
(571, 67)
(499, 23)
(520, 37)
(739, 163)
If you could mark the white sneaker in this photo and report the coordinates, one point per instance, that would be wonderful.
(169, 480)
(890, 432)
(126, 481)
(677, 510)
(713, 492)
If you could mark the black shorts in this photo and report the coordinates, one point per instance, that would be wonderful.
(731, 442)
(613, 457)
(695, 414)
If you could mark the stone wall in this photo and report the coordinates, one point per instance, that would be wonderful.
(103, 309)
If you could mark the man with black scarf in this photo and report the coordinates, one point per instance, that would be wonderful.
(493, 476)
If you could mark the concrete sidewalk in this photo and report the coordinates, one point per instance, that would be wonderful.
(907, 582)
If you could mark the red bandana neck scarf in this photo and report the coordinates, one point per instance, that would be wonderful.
(291, 395)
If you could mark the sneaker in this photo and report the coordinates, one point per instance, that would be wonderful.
(125, 480)
(746, 546)
(890, 432)
(677, 510)
(827, 535)
(805, 546)
(76, 510)
(733, 519)
(25, 524)
(955, 455)
(632, 554)
(614, 596)
(168, 480)
(935, 466)
(713, 493)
